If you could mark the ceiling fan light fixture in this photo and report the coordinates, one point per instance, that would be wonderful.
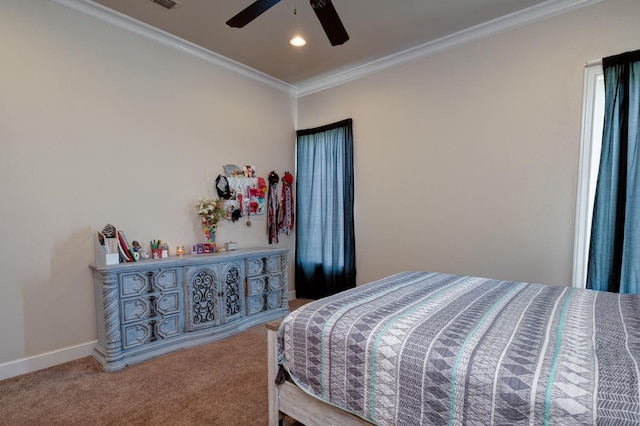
(324, 10)
(297, 41)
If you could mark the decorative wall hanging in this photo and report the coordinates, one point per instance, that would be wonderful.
(286, 211)
(247, 195)
(273, 208)
(243, 191)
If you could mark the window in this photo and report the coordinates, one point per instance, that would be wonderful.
(590, 143)
(325, 233)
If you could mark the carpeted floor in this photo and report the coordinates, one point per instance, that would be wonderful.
(222, 383)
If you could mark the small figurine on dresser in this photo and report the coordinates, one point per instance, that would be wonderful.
(136, 250)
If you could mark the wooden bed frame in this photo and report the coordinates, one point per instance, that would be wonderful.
(288, 399)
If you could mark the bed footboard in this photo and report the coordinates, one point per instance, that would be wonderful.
(288, 399)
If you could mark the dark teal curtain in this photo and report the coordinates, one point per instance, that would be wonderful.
(325, 236)
(614, 253)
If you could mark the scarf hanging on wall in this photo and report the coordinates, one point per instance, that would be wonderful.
(273, 208)
(286, 207)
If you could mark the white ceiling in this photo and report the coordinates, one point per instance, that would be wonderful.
(377, 29)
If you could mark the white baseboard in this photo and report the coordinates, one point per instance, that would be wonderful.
(45, 360)
(49, 359)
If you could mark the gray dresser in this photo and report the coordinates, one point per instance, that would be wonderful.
(152, 307)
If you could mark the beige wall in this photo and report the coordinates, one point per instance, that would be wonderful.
(466, 161)
(99, 125)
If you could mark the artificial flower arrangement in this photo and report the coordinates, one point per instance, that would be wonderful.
(211, 210)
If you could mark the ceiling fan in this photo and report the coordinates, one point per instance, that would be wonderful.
(324, 10)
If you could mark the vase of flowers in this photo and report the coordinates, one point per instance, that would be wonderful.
(210, 210)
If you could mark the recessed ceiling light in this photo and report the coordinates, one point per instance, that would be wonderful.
(298, 41)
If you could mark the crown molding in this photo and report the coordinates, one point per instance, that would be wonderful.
(109, 16)
(509, 22)
(505, 23)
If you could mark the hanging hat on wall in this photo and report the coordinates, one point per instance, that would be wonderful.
(222, 187)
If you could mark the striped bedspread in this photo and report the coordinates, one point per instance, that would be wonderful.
(421, 348)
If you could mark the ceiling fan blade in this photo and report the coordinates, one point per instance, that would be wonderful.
(252, 11)
(330, 21)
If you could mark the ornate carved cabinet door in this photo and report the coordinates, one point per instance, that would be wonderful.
(202, 288)
(232, 291)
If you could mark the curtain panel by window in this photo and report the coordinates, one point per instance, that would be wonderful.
(614, 254)
(325, 236)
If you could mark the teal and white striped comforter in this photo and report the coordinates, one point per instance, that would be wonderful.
(422, 348)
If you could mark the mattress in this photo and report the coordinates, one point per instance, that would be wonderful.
(422, 348)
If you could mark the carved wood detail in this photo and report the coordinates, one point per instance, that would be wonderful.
(111, 304)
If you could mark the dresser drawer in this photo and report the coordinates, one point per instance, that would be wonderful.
(264, 301)
(255, 304)
(136, 284)
(274, 282)
(150, 306)
(150, 330)
(274, 299)
(262, 283)
(133, 284)
(263, 265)
(255, 285)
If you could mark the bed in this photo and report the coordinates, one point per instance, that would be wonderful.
(421, 348)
